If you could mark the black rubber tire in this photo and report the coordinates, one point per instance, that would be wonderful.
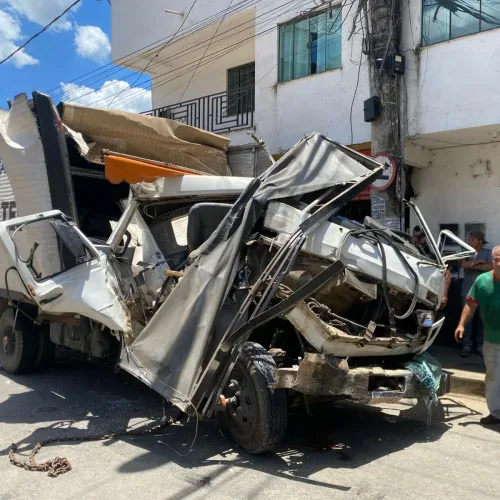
(268, 426)
(46, 353)
(23, 356)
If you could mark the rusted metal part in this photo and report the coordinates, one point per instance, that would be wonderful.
(328, 339)
(59, 318)
(173, 274)
(341, 293)
(323, 375)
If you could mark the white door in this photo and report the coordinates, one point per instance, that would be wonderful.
(62, 272)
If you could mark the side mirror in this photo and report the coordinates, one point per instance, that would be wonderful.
(467, 252)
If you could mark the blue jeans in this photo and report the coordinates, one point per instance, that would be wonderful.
(475, 325)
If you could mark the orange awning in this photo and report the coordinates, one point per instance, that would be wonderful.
(120, 168)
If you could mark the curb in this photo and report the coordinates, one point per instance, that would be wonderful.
(465, 385)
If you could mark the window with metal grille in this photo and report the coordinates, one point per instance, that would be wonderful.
(240, 89)
(310, 45)
(448, 19)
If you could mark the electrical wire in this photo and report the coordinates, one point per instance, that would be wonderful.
(185, 33)
(419, 94)
(45, 28)
(152, 46)
(359, 69)
(141, 90)
(355, 92)
(100, 75)
(411, 24)
(215, 56)
(214, 59)
(328, 33)
(313, 304)
(235, 48)
(379, 235)
(158, 53)
(197, 48)
(9, 297)
(145, 373)
(206, 49)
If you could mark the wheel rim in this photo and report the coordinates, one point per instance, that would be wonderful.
(9, 344)
(243, 414)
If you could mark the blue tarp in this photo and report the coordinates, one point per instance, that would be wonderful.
(428, 372)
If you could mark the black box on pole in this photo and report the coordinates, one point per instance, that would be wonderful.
(372, 108)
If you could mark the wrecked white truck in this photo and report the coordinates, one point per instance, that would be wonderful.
(233, 296)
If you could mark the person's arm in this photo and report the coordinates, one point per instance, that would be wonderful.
(483, 266)
(470, 308)
(468, 312)
(467, 264)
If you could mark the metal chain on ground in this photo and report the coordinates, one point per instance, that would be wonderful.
(60, 465)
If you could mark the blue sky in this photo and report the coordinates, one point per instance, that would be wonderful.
(56, 61)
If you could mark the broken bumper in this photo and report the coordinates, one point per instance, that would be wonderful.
(323, 375)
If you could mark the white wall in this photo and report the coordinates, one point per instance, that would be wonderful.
(136, 24)
(284, 112)
(461, 186)
(207, 80)
(239, 138)
(322, 102)
(216, 48)
(451, 85)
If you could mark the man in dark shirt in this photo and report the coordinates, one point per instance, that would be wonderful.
(481, 263)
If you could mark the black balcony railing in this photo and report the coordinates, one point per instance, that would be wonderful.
(219, 113)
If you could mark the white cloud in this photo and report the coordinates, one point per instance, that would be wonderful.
(43, 11)
(9, 26)
(92, 43)
(10, 35)
(129, 99)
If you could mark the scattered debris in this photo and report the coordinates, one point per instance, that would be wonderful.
(341, 448)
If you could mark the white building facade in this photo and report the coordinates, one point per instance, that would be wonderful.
(285, 68)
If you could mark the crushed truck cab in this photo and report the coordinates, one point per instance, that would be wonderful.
(239, 296)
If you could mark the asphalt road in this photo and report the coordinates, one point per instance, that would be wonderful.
(387, 454)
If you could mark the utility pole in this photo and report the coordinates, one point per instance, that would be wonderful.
(385, 66)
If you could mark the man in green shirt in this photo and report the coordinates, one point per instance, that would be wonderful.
(485, 293)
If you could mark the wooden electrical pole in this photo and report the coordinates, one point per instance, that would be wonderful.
(382, 45)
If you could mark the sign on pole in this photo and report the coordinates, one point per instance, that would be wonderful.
(389, 174)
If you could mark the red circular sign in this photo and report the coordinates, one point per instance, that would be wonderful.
(387, 178)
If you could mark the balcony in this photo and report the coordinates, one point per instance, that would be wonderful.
(219, 113)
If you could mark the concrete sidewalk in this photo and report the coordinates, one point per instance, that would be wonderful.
(467, 374)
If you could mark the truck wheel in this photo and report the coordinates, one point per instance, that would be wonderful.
(46, 349)
(19, 349)
(258, 417)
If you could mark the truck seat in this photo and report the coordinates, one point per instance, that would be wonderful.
(203, 219)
